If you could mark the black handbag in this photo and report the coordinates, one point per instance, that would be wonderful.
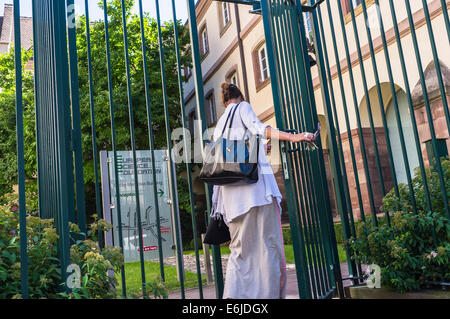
(217, 232)
(231, 162)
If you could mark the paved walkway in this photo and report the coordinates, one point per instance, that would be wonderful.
(209, 292)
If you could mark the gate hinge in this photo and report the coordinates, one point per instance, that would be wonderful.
(306, 8)
(284, 161)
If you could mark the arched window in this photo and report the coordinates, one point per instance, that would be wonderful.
(394, 135)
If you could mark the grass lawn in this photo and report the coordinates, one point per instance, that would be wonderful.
(152, 271)
(288, 250)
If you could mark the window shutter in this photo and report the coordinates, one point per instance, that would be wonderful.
(345, 6)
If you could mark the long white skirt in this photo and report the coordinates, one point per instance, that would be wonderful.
(256, 267)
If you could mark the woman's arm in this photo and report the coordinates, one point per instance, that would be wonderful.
(284, 136)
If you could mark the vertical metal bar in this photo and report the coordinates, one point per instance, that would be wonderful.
(446, 19)
(368, 103)
(427, 108)
(314, 189)
(93, 128)
(172, 179)
(20, 154)
(333, 149)
(327, 248)
(133, 147)
(381, 105)
(322, 60)
(437, 64)
(76, 121)
(187, 151)
(358, 118)
(347, 121)
(199, 96)
(303, 279)
(114, 143)
(408, 94)
(54, 101)
(151, 140)
(287, 57)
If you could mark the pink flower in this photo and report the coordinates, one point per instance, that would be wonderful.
(12, 232)
(15, 208)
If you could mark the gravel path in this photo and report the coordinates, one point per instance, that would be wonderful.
(190, 263)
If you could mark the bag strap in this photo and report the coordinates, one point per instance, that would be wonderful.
(228, 117)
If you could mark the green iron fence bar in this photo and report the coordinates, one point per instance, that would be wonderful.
(200, 103)
(328, 246)
(56, 176)
(292, 101)
(93, 126)
(437, 64)
(133, 148)
(358, 118)
(301, 158)
(76, 121)
(367, 99)
(427, 107)
(340, 185)
(303, 278)
(172, 179)
(114, 142)
(335, 156)
(20, 153)
(306, 120)
(408, 94)
(446, 19)
(151, 139)
(382, 110)
(344, 105)
(187, 150)
(286, 58)
(317, 229)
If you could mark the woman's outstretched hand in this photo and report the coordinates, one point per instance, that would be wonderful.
(302, 137)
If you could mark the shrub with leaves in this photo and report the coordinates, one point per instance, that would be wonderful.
(414, 251)
(44, 269)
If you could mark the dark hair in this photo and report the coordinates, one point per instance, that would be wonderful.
(230, 91)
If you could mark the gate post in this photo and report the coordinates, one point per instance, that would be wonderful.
(335, 161)
(53, 121)
(199, 94)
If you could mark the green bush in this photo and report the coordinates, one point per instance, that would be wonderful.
(415, 248)
(44, 267)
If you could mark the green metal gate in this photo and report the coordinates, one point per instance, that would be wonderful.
(58, 131)
(315, 249)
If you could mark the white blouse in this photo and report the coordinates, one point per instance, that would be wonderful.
(234, 201)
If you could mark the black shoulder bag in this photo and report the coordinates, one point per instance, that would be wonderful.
(231, 162)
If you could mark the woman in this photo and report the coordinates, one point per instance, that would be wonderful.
(256, 266)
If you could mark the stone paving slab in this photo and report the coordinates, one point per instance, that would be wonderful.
(209, 291)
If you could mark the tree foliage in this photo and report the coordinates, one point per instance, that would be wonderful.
(8, 174)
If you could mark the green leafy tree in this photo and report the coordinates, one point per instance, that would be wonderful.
(8, 174)
(8, 153)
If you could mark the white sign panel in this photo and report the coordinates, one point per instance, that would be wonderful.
(147, 204)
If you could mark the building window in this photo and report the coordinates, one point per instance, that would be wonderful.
(346, 5)
(233, 79)
(210, 108)
(224, 16)
(191, 120)
(308, 26)
(187, 72)
(225, 13)
(204, 47)
(263, 63)
(260, 66)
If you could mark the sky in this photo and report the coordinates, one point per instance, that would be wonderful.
(96, 13)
